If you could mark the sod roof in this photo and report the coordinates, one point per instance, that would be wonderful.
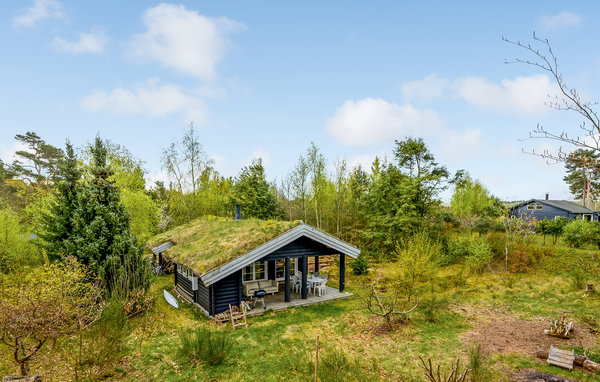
(210, 242)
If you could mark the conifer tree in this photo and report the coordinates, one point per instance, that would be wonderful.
(102, 236)
(57, 226)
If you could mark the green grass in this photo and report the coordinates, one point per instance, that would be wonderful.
(209, 242)
(278, 346)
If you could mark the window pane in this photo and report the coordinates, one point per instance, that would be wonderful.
(279, 269)
(292, 270)
(259, 270)
(247, 275)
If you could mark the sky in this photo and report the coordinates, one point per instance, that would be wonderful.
(266, 78)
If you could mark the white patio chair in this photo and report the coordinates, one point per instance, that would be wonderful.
(320, 287)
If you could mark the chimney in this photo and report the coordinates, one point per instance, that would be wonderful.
(238, 213)
(547, 195)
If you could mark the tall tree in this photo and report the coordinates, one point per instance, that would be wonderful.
(251, 189)
(57, 225)
(341, 194)
(38, 164)
(426, 178)
(566, 99)
(470, 201)
(583, 175)
(300, 186)
(101, 232)
(318, 181)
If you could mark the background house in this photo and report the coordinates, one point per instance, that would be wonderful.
(550, 209)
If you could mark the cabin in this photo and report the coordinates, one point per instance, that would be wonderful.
(551, 209)
(219, 262)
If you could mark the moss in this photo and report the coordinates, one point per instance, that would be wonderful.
(209, 242)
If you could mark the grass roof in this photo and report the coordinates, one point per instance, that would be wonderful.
(209, 242)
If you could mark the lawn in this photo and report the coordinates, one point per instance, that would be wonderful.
(504, 312)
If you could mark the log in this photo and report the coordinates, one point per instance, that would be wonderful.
(543, 354)
(591, 366)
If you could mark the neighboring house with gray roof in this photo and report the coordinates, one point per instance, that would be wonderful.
(551, 209)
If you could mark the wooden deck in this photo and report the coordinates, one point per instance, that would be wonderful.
(276, 302)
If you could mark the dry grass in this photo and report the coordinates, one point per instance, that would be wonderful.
(209, 242)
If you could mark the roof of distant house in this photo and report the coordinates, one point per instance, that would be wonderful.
(561, 204)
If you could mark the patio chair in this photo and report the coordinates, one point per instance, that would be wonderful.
(320, 287)
(316, 274)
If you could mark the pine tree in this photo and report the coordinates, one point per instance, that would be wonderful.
(257, 196)
(583, 175)
(101, 233)
(57, 226)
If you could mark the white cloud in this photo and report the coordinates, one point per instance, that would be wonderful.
(427, 89)
(561, 20)
(372, 120)
(92, 42)
(40, 10)
(7, 154)
(262, 154)
(149, 99)
(523, 95)
(183, 39)
(458, 145)
(160, 176)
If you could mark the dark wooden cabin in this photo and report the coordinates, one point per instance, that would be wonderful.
(217, 258)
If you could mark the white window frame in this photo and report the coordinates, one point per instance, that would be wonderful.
(531, 206)
(253, 265)
(590, 215)
(539, 206)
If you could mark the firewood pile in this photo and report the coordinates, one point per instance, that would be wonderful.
(579, 360)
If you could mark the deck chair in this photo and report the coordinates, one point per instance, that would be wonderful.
(238, 316)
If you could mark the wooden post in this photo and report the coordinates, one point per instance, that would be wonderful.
(287, 279)
(317, 359)
(316, 264)
(342, 272)
(304, 277)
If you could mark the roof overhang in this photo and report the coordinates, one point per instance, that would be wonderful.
(263, 250)
(162, 247)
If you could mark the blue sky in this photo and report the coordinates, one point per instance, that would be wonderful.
(265, 78)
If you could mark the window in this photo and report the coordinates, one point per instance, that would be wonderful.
(587, 216)
(539, 207)
(530, 206)
(255, 271)
(280, 268)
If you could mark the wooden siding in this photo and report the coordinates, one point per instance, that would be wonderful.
(227, 291)
(185, 284)
(301, 247)
(548, 212)
(203, 296)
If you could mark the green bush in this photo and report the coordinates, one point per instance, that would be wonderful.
(106, 341)
(204, 346)
(580, 232)
(432, 307)
(480, 255)
(453, 250)
(360, 266)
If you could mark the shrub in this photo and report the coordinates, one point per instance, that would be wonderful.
(579, 232)
(523, 257)
(106, 340)
(204, 346)
(432, 307)
(360, 266)
(477, 364)
(453, 250)
(479, 256)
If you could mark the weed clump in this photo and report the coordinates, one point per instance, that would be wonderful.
(203, 346)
